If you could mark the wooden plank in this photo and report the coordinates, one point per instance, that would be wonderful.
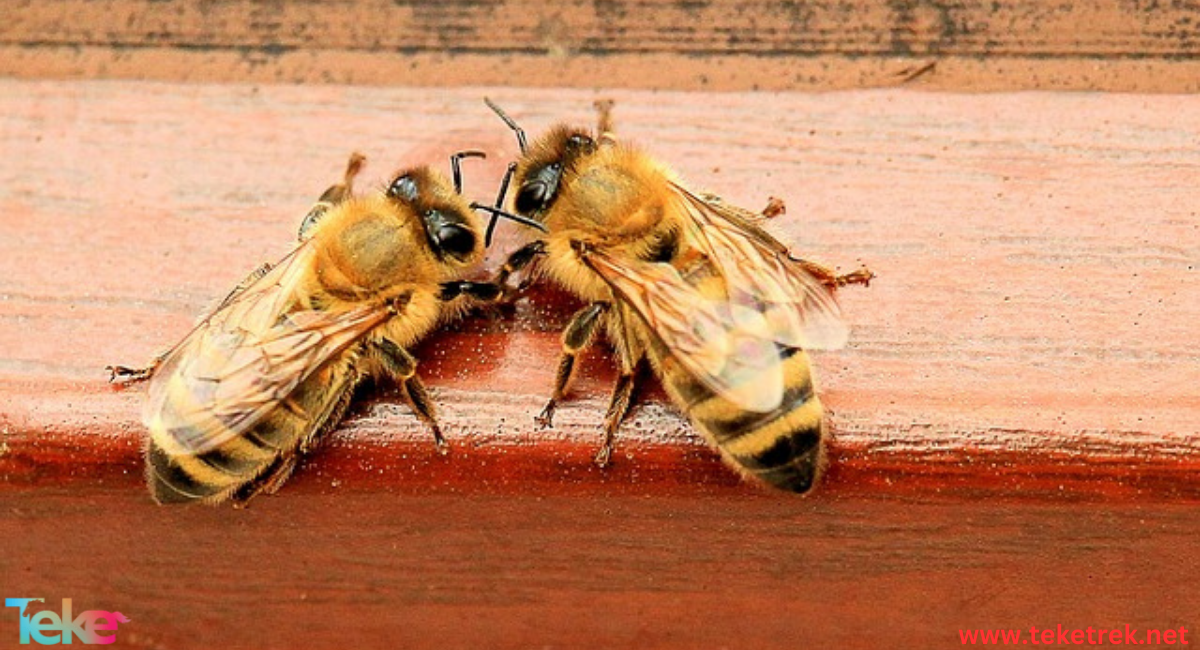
(717, 45)
(1015, 417)
(1031, 333)
(718, 567)
(1100, 28)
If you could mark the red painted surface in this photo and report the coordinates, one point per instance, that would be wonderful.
(1030, 330)
(717, 566)
(1015, 416)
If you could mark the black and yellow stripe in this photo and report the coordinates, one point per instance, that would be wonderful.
(784, 447)
(239, 468)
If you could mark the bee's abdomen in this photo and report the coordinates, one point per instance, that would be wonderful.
(209, 476)
(236, 468)
(784, 446)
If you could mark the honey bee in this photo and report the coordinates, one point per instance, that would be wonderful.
(265, 376)
(688, 283)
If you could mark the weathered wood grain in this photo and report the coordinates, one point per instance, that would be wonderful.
(717, 45)
(1031, 332)
(1015, 416)
(324, 567)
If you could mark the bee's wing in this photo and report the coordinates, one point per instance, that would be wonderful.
(730, 343)
(760, 276)
(238, 363)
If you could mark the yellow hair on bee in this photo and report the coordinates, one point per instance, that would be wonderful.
(273, 368)
(688, 283)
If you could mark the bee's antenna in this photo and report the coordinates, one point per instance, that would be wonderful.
(456, 170)
(512, 168)
(604, 127)
(497, 212)
(353, 167)
(603, 114)
(509, 121)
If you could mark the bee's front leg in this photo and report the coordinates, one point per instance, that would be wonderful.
(396, 362)
(576, 337)
(520, 259)
(477, 291)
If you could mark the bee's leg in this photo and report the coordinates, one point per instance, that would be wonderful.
(831, 279)
(476, 291)
(273, 478)
(250, 279)
(775, 207)
(127, 375)
(618, 408)
(269, 482)
(332, 196)
(475, 294)
(279, 474)
(397, 363)
(515, 263)
(604, 122)
(578, 335)
(423, 405)
(322, 422)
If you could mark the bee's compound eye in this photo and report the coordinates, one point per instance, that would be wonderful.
(538, 191)
(456, 240)
(404, 187)
(532, 197)
(580, 141)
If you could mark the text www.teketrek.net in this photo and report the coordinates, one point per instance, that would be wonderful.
(1060, 636)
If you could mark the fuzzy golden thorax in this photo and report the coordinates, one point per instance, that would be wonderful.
(600, 195)
(383, 243)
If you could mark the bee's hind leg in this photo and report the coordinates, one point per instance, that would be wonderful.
(618, 408)
(831, 279)
(577, 336)
(271, 480)
(774, 208)
(268, 482)
(126, 375)
(282, 468)
(402, 366)
(122, 375)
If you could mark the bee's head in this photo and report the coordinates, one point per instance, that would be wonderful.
(448, 223)
(540, 173)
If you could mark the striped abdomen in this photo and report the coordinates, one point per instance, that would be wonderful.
(262, 457)
(783, 447)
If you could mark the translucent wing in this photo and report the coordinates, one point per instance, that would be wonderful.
(725, 309)
(761, 276)
(238, 363)
(718, 342)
